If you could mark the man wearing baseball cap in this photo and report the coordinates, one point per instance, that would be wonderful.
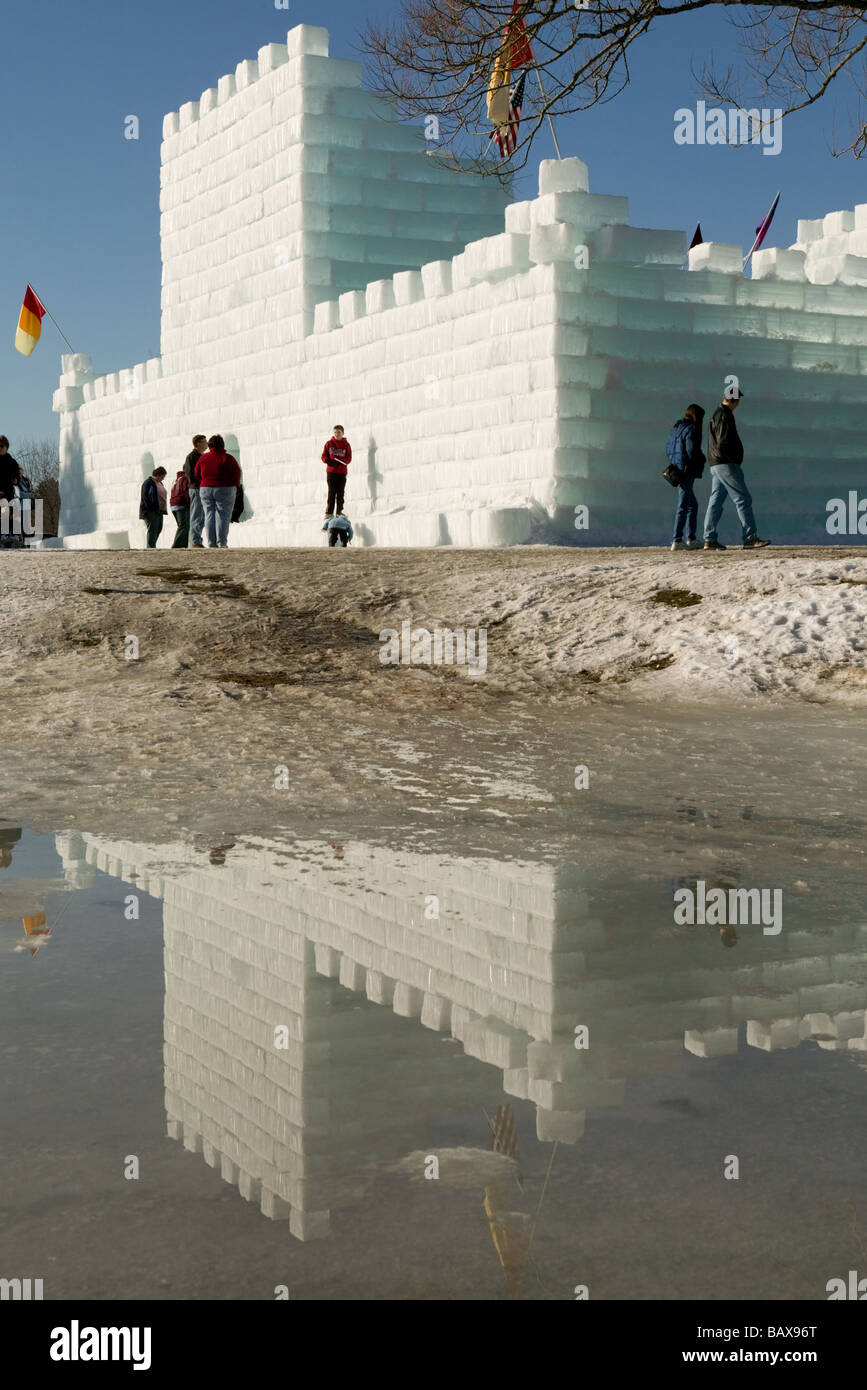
(725, 454)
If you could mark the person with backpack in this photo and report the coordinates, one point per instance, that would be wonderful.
(337, 456)
(726, 457)
(180, 505)
(685, 457)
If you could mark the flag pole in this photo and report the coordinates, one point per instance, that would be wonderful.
(53, 319)
(550, 121)
(761, 231)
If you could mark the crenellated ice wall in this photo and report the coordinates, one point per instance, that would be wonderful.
(495, 366)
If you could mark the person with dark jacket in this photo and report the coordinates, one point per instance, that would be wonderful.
(725, 454)
(197, 516)
(10, 477)
(153, 505)
(684, 452)
(219, 477)
(337, 456)
(10, 473)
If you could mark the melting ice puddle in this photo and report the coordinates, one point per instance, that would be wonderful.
(259, 1027)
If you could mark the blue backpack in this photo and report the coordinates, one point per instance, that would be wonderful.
(674, 445)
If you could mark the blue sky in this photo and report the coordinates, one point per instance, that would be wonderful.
(81, 205)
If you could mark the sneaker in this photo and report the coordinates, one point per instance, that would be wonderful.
(693, 544)
(755, 543)
(678, 545)
(713, 545)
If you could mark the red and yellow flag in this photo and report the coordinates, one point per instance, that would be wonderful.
(29, 324)
(519, 39)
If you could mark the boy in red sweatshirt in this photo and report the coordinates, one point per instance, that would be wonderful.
(337, 456)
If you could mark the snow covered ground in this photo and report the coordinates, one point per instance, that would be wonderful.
(253, 661)
(774, 624)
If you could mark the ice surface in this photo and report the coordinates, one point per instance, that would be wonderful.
(437, 278)
(716, 255)
(408, 287)
(774, 263)
(496, 256)
(555, 241)
(563, 176)
(272, 56)
(246, 73)
(836, 222)
(518, 218)
(307, 38)
(810, 230)
(585, 210)
(639, 245)
(351, 306)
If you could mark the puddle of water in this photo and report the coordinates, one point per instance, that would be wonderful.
(234, 1067)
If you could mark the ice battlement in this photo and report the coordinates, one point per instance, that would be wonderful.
(305, 40)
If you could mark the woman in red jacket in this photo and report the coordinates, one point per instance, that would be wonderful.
(219, 477)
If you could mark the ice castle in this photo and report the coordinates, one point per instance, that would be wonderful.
(498, 366)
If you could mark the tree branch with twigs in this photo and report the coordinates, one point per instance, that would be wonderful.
(436, 59)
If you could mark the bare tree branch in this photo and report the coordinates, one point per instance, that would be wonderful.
(436, 59)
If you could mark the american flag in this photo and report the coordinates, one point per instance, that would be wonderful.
(507, 135)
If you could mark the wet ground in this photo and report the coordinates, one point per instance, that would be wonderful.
(342, 1047)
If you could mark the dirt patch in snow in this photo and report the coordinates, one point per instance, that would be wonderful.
(248, 661)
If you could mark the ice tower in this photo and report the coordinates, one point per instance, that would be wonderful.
(495, 366)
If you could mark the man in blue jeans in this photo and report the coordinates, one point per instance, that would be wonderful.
(197, 514)
(219, 477)
(725, 454)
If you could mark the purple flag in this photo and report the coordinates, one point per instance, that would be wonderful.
(761, 229)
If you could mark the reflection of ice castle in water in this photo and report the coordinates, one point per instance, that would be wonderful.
(493, 374)
(520, 955)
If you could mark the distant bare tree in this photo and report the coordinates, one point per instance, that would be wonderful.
(39, 460)
(437, 56)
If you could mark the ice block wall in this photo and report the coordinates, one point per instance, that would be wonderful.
(495, 366)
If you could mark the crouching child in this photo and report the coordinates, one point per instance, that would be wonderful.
(339, 530)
